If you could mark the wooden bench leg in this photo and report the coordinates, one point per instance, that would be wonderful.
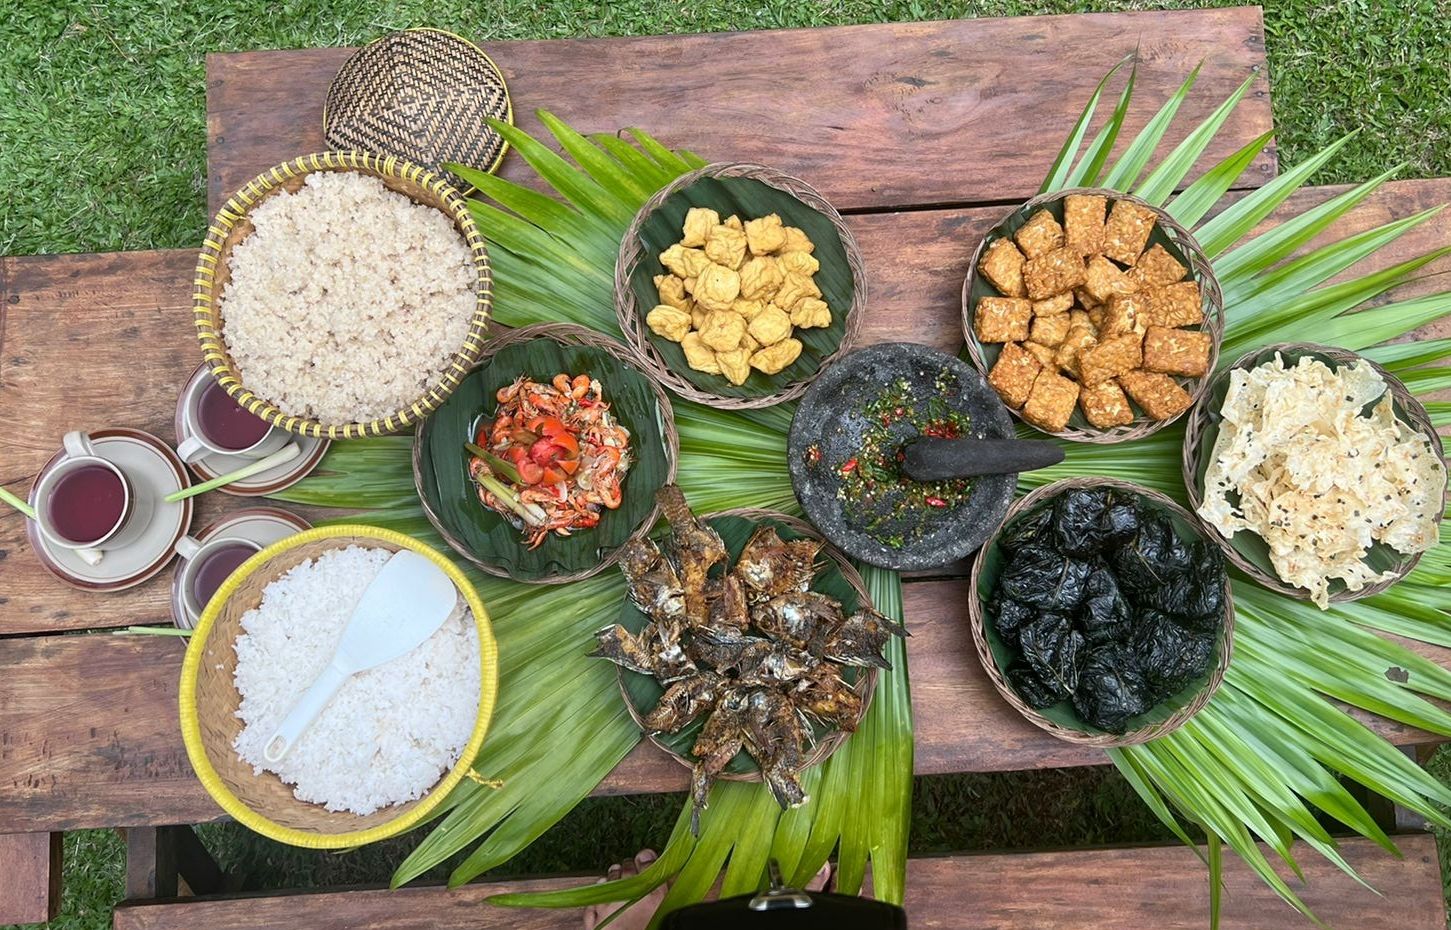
(30, 869)
(161, 861)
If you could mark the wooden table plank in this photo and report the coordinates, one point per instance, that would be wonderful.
(1108, 889)
(31, 866)
(139, 348)
(876, 116)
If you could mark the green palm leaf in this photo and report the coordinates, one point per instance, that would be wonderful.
(1126, 171)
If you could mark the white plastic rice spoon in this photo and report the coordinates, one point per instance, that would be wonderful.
(402, 606)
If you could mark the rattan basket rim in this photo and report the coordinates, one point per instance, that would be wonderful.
(977, 621)
(207, 312)
(1195, 450)
(1200, 268)
(866, 684)
(566, 334)
(631, 316)
(195, 741)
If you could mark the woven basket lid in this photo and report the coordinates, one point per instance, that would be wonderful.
(422, 95)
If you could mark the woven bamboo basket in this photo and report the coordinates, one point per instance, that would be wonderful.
(1246, 551)
(1171, 235)
(977, 618)
(209, 701)
(631, 315)
(231, 225)
(865, 685)
(570, 335)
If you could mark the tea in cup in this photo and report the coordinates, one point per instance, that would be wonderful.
(85, 502)
(207, 564)
(217, 425)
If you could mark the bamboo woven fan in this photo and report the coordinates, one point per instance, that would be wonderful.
(1246, 550)
(1061, 720)
(486, 539)
(423, 95)
(750, 192)
(1178, 241)
(838, 578)
(209, 700)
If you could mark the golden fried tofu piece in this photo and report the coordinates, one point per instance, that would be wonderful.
(668, 322)
(1002, 319)
(1158, 395)
(1176, 351)
(1041, 234)
(697, 226)
(722, 330)
(689, 283)
(760, 277)
(1156, 268)
(799, 262)
(726, 246)
(734, 222)
(749, 309)
(717, 287)
(1002, 265)
(1083, 220)
(685, 263)
(811, 313)
(1111, 357)
(1125, 313)
(1060, 304)
(1104, 405)
(765, 234)
(698, 355)
(1127, 231)
(795, 287)
(772, 359)
(796, 241)
(735, 365)
(747, 343)
(1051, 401)
(1178, 304)
(672, 292)
(1013, 374)
(1078, 339)
(1053, 273)
(1049, 330)
(1103, 280)
(698, 315)
(770, 326)
(1044, 354)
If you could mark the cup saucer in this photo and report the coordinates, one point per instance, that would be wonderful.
(154, 470)
(261, 525)
(310, 452)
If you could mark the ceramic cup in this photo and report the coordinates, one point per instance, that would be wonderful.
(86, 503)
(216, 425)
(205, 565)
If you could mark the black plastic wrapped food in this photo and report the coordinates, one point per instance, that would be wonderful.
(1111, 688)
(1053, 650)
(1008, 616)
(1031, 688)
(1105, 615)
(1028, 530)
(1170, 655)
(1078, 522)
(1039, 576)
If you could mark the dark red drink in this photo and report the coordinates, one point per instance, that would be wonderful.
(225, 423)
(86, 503)
(216, 568)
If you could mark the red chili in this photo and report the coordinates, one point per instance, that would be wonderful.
(849, 466)
(936, 502)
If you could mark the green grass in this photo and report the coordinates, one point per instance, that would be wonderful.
(103, 147)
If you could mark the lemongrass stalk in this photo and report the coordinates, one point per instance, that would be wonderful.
(17, 503)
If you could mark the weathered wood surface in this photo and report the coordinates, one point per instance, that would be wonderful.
(858, 111)
(30, 872)
(1111, 889)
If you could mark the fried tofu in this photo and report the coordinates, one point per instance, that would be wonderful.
(1049, 330)
(1103, 280)
(1040, 235)
(1178, 304)
(1110, 358)
(1176, 351)
(1127, 231)
(1002, 265)
(1013, 374)
(1002, 319)
(1051, 401)
(1060, 304)
(1126, 313)
(1083, 223)
(1105, 405)
(1044, 354)
(1158, 395)
(1053, 273)
(1156, 268)
(1078, 339)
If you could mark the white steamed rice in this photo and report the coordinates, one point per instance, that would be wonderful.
(391, 732)
(347, 300)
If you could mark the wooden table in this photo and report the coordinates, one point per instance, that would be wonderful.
(923, 134)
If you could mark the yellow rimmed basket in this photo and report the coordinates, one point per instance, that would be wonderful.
(209, 700)
(231, 225)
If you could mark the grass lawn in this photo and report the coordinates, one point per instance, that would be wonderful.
(102, 147)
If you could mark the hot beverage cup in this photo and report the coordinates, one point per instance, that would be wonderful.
(86, 503)
(217, 425)
(205, 565)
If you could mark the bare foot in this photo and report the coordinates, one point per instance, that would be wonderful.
(637, 916)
